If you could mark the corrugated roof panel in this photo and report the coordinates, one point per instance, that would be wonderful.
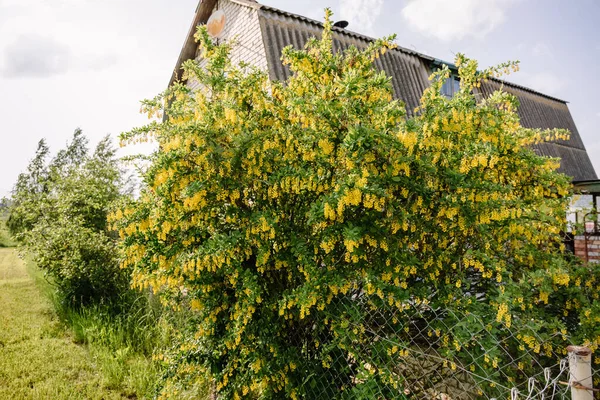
(296, 17)
(573, 162)
(409, 72)
(543, 112)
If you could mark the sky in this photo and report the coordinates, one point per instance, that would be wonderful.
(66, 64)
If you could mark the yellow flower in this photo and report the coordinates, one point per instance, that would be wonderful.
(326, 146)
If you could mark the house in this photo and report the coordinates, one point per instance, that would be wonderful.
(585, 211)
(262, 32)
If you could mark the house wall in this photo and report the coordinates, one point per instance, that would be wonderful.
(592, 254)
(243, 28)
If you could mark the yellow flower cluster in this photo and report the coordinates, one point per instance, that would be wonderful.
(260, 213)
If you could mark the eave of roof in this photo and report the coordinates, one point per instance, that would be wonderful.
(188, 51)
(590, 186)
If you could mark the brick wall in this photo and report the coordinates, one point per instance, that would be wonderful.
(593, 248)
(243, 28)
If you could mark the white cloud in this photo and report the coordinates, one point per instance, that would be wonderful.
(457, 19)
(541, 49)
(362, 14)
(35, 56)
(544, 82)
(114, 57)
(38, 39)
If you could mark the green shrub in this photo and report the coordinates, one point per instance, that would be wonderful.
(59, 215)
(5, 237)
(286, 215)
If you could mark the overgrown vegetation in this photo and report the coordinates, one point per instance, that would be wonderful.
(58, 216)
(5, 238)
(283, 212)
(122, 344)
(38, 359)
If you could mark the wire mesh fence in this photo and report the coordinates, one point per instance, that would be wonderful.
(375, 350)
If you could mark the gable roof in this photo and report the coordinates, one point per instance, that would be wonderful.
(544, 112)
(409, 71)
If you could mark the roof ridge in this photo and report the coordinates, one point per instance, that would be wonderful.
(398, 47)
(339, 30)
(527, 89)
(248, 3)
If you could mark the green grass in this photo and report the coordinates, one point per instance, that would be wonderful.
(122, 345)
(48, 351)
(38, 358)
(5, 239)
(52, 351)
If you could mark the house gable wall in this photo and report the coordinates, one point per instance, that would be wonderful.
(242, 26)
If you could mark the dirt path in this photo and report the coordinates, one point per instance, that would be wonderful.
(38, 359)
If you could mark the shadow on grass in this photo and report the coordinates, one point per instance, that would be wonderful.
(5, 237)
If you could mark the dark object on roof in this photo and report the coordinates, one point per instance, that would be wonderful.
(410, 72)
(341, 24)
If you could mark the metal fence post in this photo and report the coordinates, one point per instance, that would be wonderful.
(580, 373)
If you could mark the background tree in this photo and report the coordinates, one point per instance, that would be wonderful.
(297, 219)
(29, 189)
(59, 214)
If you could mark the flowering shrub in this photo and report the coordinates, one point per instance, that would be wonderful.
(284, 213)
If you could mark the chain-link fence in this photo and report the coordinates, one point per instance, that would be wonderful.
(375, 350)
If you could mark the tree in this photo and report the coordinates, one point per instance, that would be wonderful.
(60, 216)
(287, 214)
(30, 188)
(5, 202)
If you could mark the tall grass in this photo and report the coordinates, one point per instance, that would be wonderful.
(122, 343)
(5, 239)
(125, 341)
(123, 338)
(38, 359)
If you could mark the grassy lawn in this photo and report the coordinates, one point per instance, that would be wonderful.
(49, 351)
(38, 358)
